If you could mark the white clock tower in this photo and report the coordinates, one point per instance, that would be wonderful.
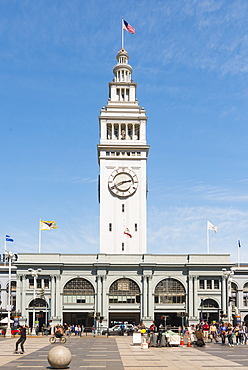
(122, 154)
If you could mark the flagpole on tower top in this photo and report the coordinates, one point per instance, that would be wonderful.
(126, 26)
(122, 34)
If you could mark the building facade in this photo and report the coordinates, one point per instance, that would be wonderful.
(123, 282)
(133, 288)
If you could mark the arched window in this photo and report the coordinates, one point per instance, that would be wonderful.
(169, 291)
(38, 302)
(234, 292)
(78, 290)
(210, 303)
(124, 291)
(245, 295)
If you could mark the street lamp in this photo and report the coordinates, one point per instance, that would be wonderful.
(228, 275)
(202, 303)
(10, 256)
(35, 274)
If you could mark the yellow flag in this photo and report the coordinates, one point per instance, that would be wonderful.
(47, 225)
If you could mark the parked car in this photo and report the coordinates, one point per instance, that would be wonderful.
(116, 329)
(14, 330)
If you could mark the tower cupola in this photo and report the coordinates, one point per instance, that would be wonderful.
(122, 70)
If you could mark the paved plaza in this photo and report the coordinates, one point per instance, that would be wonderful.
(118, 353)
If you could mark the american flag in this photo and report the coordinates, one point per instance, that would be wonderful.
(128, 27)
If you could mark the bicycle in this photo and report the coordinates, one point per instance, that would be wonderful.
(54, 339)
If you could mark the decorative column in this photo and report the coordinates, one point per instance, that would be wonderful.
(98, 294)
(58, 308)
(53, 296)
(18, 292)
(190, 298)
(147, 303)
(104, 301)
(223, 293)
(195, 298)
(21, 298)
(23, 293)
(144, 298)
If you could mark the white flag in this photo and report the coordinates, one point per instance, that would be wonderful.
(212, 227)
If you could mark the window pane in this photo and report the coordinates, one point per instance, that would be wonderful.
(216, 284)
(201, 284)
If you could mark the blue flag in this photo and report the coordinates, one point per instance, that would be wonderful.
(9, 239)
(239, 244)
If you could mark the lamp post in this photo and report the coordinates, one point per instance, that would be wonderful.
(202, 303)
(35, 274)
(228, 280)
(10, 256)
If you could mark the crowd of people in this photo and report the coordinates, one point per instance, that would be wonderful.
(226, 333)
(68, 330)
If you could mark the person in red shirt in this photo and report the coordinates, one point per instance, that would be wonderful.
(205, 329)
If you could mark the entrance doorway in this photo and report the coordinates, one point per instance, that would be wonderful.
(129, 317)
(209, 316)
(78, 318)
(40, 319)
(171, 319)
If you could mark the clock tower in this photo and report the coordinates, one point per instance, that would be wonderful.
(122, 155)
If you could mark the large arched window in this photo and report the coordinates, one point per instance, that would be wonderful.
(78, 290)
(124, 291)
(245, 295)
(210, 303)
(169, 291)
(234, 292)
(38, 302)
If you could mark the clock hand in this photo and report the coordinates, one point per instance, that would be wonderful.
(123, 182)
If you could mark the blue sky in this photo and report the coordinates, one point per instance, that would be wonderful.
(190, 60)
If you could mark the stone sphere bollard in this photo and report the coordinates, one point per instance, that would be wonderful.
(59, 357)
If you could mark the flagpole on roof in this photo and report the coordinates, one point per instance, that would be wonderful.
(238, 252)
(5, 244)
(122, 34)
(39, 248)
(208, 241)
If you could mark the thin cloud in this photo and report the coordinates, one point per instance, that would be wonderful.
(183, 230)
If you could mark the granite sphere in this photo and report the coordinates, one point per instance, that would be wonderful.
(59, 357)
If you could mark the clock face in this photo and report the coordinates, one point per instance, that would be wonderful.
(123, 182)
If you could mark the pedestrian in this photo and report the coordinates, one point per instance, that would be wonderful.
(21, 340)
(245, 329)
(199, 337)
(238, 332)
(213, 332)
(191, 332)
(43, 329)
(76, 330)
(79, 330)
(205, 328)
(223, 333)
(122, 329)
(229, 334)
